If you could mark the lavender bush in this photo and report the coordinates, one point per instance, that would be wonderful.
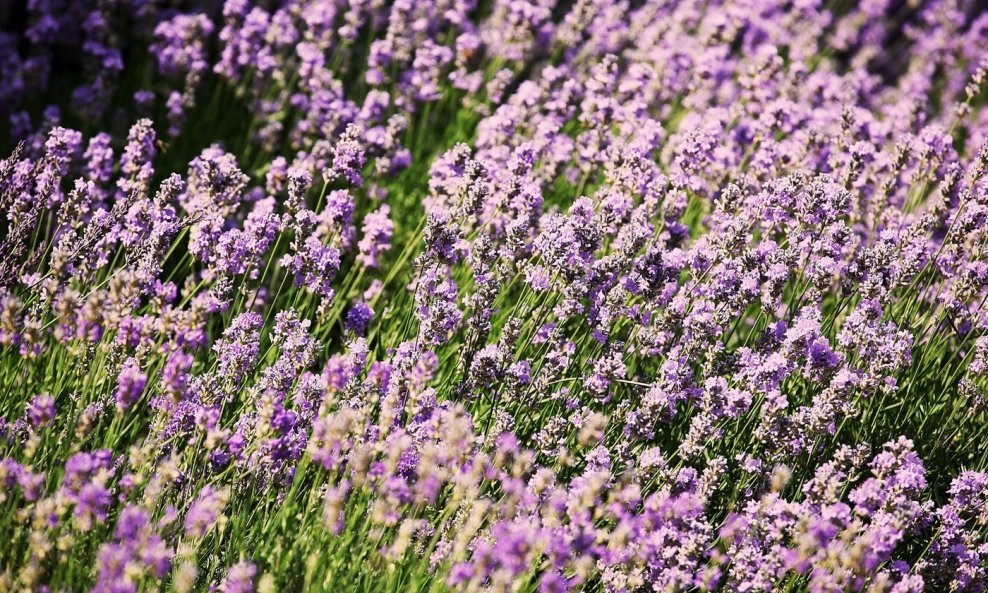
(493, 295)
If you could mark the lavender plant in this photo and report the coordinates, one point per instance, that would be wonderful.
(493, 295)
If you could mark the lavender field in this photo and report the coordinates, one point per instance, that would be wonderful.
(498, 296)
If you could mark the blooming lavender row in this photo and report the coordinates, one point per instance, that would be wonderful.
(493, 296)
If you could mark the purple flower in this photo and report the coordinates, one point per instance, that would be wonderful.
(349, 156)
(130, 384)
(358, 318)
(314, 266)
(41, 411)
(204, 511)
(179, 44)
(135, 163)
(239, 347)
(239, 579)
